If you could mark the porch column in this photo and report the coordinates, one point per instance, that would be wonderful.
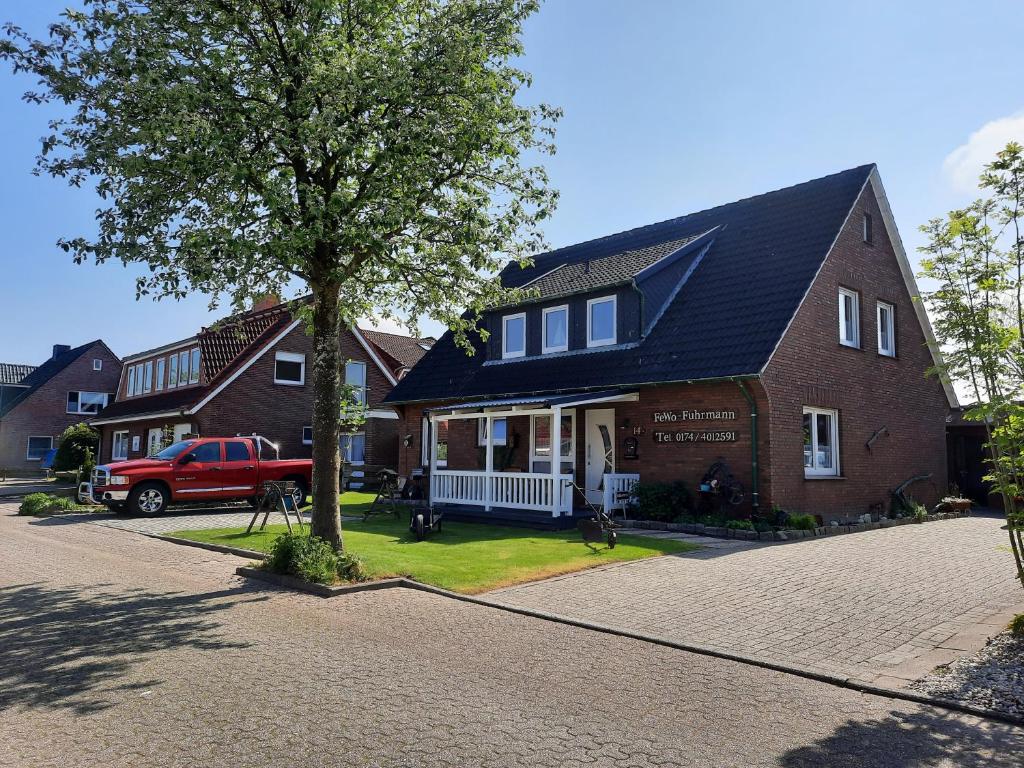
(556, 460)
(432, 437)
(489, 463)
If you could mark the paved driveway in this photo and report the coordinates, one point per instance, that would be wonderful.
(884, 606)
(122, 650)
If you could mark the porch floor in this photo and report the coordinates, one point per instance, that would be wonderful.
(515, 518)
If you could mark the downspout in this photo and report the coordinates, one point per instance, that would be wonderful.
(755, 502)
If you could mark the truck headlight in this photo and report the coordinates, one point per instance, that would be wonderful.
(118, 480)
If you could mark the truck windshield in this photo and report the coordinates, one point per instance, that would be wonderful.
(172, 451)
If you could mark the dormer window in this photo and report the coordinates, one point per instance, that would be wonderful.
(601, 321)
(556, 329)
(513, 335)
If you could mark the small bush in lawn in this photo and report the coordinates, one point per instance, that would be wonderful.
(801, 522)
(739, 525)
(43, 503)
(313, 559)
(1017, 625)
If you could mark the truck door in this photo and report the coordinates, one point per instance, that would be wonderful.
(200, 477)
(240, 474)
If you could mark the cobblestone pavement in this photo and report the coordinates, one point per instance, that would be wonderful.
(884, 606)
(122, 650)
(180, 520)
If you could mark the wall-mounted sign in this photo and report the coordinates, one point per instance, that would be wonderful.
(669, 416)
(695, 437)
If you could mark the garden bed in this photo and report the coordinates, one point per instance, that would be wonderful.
(721, 532)
(464, 557)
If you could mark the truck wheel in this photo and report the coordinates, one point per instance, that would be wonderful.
(300, 493)
(148, 499)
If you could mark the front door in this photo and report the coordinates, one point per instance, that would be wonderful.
(600, 451)
(154, 441)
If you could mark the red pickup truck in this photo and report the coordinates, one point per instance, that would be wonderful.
(210, 469)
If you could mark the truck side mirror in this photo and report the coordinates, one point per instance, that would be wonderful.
(188, 458)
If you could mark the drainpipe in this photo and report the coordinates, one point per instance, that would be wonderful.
(754, 495)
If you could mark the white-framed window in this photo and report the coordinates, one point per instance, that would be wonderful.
(821, 442)
(849, 318)
(183, 358)
(500, 432)
(424, 441)
(172, 371)
(87, 402)
(555, 330)
(289, 368)
(119, 446)
(307, 435)
(868, 234)
(161, 365)
(886, 329)
(97, 364)
(353, 447)
(601, 321)
(441, 438)
(540, 441)
(129, 387)
(513, 335)
(38, 447)
(193, 374)
(147, 377)
(355, 375)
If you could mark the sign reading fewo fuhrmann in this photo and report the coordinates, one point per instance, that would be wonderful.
(694, 435)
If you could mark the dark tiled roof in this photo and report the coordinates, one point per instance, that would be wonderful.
(399, 351)
(39, 376)
(581, 277)
(13, 373)
(725, 320)
(171, 400)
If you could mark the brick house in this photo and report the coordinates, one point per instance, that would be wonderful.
(248, 373)
(779, 334)
(37, 403)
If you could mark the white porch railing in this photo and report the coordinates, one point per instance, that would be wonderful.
(615, 485)
(513, 490)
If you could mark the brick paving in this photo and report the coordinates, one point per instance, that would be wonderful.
(122, 650)
(883, 606)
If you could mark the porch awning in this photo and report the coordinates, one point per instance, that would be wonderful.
(543, 401)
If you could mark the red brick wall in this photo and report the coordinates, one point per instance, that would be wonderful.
(45, 411)
(657, 462)
(254, 403)
(870, 391)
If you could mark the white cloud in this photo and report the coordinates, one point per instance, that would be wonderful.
(964, 164)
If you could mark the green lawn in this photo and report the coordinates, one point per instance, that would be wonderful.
(463, 557)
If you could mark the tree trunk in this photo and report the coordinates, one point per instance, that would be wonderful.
(326, 415)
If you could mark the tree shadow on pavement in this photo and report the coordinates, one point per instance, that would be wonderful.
(929, 737)
(72, 647)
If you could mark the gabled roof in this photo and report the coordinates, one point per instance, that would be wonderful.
(42, 374)
(398, 351)
(725, 319)
(13, 373)
(228, 340)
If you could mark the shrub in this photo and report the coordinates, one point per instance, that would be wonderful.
(662, 501)
(43, 503)
(76, 446)
(739, 525)
(1017, 625)
(802, 522)
(313, 559)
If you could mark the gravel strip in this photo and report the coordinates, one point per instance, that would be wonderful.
(992, 678)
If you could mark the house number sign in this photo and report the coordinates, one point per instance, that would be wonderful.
(695, 437)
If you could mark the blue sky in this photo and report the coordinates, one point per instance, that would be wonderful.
(670, 107)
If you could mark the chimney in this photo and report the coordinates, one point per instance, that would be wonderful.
(60, 349)
(266, 302)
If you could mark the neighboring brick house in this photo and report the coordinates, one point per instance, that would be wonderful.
(37, 403)
(249, 374)
(793, 315)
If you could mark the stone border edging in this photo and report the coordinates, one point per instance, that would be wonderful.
(320, 590)
(789, 534)
(252, 554)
